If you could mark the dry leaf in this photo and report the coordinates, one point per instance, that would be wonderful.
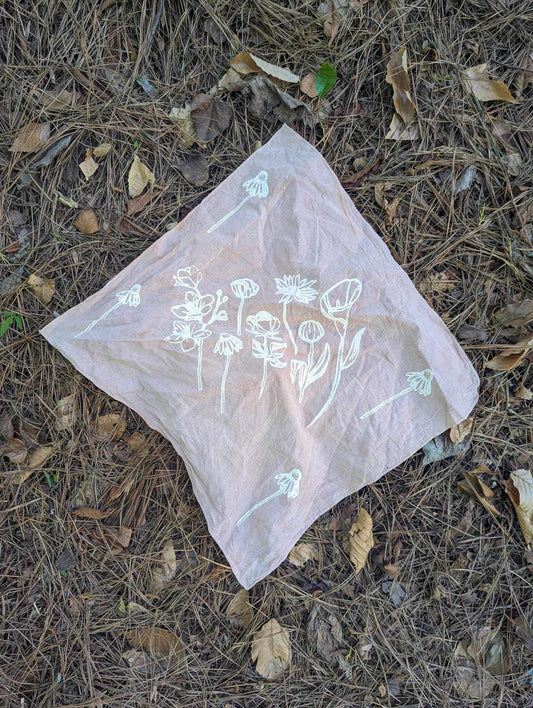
(512, 356)
(516, 314)
(438, 283)
(137, 204)
(182, 117)
(520, 489)
(332, 23)
(110, 426)
(136, 441)
(87, 221)
(302, 553)
(268, 102)
(166, 569)
(524, 393)
(459, 432)
(88, 512)
(245, 63)
(524, 78)
(232, 81)
(102, 150)
(476, 489)
(478, 82)
(210, 116)
(156, 641)
(42, 289)
(361, 540)
(119, 538)
(194, 168)
(325, 635)
(38, 457)
(139, 177)
(138, 660)
(88, 166)
(398, 78)
(239, 611)
(51, 102)
(271, 648)
(308, 85)
(65, 414)
(14, 450)
(398, 131)
(31, 137)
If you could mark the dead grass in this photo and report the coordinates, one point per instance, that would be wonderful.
(62, 633)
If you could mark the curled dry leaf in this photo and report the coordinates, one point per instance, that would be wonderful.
(245, 63)
(157, 641)
(512, 356)
(88, 166)
(210, 116)
(102, 150)
(110, 426)
(516, 314)
(139, 177)
(474, 487)
(38, 456)
(302, 553)
(65, 412)
(42, 289)
(267, 101)
(239, 611)
(361, 540)
(232, 81)
(88, 512)
(271, 649)
(459, 432)
(308, 86)
(87, 221)
(398, 78)
(14, 450)
(31, 137)
(520, 490)
(398, 130)
(478, 83)
(139, 203)
(183, 120)
(165, 569)
(52, 102)
(524, 393)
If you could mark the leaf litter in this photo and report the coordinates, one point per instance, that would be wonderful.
(271, 650)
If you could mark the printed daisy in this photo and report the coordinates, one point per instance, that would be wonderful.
(294, 288)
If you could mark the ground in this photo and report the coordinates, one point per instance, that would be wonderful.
(70, 589)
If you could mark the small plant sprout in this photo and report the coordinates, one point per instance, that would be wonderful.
(243, 288)
(257, 188)
(288, 483)
(8, 318)
(130, 297)
(227, 345)
(306, 372)
(419, 381)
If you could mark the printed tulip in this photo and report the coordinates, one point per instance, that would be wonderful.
(244, 288)
(306, 372)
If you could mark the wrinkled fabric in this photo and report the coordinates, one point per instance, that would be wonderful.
(272, 338)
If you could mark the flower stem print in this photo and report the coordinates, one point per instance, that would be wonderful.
(194, 315)
(244, 288)
(227, 345)
(288, 483)
(291, 288)
(306, 372)
(419, 381)
(267, 346)
(130, 297)
(336, 304)
(256, 187)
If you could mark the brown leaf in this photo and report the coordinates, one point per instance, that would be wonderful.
(137, 204)
(102, 150)
(210, 116)
(398, 78)
(52, 102)
(139, 177)
(398, 130)
(512, 356)
(232, 81)
(87, 512)
(332, 23)
(118, 537)
(166, 568)
(42, 289)
(135, 442)
(183, 120)
(459, 432)
(392, 570)
(138, 660)
(14, 450)
(87, 221)
(239, 611)
(65, 412)
(6, 427)
(271, 648)
(245, 63)
(520, 490)
(325, 635)
(268, 102)
(38, 456)
(524, 393)
(194, 168)
(361, 540)
(516, 314)
(308, 85)
(110, 426)
(88, 166)
(475, 488)
(157, 641)
(31, 137)
(302, 553)
(478, 83)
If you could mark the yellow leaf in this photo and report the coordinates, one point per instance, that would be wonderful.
(239, 611)
(308, 85)
(102, 150)
(459, 432)
(520, 490)
(271, 648)
(110, 426)
(31, 137)
(87, 221)
(398, 78)
(166, 568)
(42, 289)
(361, 540)
(512, 356)
(88, 166)
(138, 177)
(478, 83)
(245, 63)
(156, 641)
(302, 553)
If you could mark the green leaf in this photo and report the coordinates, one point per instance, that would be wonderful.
(325, 79)
(6, 322)
(122, 605)
(18, 320)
